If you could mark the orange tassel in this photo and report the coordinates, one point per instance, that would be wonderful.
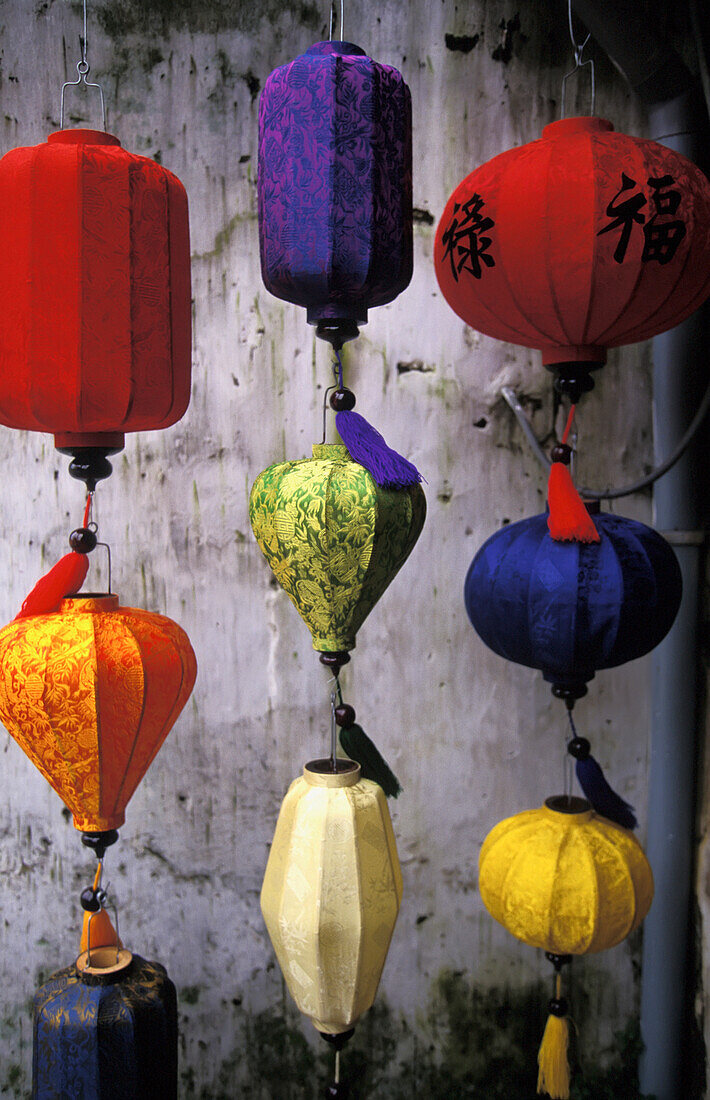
(569, 520)
(64, 578)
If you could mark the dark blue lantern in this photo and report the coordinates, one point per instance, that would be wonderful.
(570, 608)
(335, 185)
(106, 1036)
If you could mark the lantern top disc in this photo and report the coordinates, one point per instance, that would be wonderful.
(82, 137)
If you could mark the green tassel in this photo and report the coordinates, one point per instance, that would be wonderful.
(358, 746)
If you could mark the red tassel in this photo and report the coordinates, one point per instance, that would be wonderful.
(569, 520)
(65, 577)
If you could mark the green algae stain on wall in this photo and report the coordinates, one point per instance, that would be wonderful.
(119, 18)
(477, 1043)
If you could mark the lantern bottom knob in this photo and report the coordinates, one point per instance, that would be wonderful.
(99, 842)
(339, 1040)
(89, 464)
(337, 330)
(573, 379)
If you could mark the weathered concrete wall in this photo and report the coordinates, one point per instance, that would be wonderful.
(472, 738)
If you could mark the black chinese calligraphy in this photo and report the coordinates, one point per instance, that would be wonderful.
(661, 236)
(464, 240)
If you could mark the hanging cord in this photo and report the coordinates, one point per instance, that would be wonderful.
(338, 384)
(578, 49)
(333, 730)
(83, 69)
(513, 401)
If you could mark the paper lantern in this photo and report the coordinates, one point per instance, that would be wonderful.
(108, 1033)
(580, 241)
(334, 538)
(90, 693)
(570, 608)
(563, 879)
(331, 893)
(335, 185)
(95, 286)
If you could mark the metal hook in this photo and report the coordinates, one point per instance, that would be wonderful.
(342, 19)
(578, 50)
(108, 551)
(83, 69)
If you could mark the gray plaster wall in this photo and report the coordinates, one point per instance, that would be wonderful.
(472, 738)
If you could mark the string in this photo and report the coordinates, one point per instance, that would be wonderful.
(568, 427)
(87, 509)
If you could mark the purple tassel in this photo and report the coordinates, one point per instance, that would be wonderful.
(366, 446)
(604, 800)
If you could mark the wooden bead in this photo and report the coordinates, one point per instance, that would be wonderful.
(83, 540)
(345, 716)
(342, 400)
(561, 452)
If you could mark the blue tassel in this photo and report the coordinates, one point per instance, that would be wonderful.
(366, 446)
(604, 800)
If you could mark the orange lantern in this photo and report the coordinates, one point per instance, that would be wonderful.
(90, 693)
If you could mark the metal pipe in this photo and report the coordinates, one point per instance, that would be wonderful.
(635, 41)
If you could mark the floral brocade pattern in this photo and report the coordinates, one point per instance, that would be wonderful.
(110, 1040)
(330, 899)
(571, 883)
(90, 693)
(333, 538)
(335, 182)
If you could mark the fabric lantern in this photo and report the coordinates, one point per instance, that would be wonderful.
(331, 893)
(95, 283)
(334, 538)
(90, 693)
(569, 608)
(106, 1031)
(566, 880)
(335, 186)
(583, 240)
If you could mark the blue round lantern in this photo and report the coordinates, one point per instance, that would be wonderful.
(570, 608)
(335, 186)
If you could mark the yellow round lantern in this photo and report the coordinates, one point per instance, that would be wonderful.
(331, 893)
(90, 692)
(334, 538)
(571, 882)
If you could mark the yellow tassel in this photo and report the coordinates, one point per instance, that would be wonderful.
(553, 1076)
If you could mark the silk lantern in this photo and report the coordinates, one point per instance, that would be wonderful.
(95, 283)
(582, 240)
(570, 882)
(334, 538)
(570, 608)
(331, 893)
(335, 186)
(106, 1031)
(90, 693)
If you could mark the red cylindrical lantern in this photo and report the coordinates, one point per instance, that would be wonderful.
(580, 241)
(95, 286)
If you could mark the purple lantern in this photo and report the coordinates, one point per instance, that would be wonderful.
(335, 186)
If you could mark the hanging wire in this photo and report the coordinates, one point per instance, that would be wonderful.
(578, 49)
(513, 401)
(83, 69)
(333, 733)
(333, 9)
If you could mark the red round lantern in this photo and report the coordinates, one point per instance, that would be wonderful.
(580, 241)
(95, 286)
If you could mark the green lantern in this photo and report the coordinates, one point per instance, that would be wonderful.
(334, 538)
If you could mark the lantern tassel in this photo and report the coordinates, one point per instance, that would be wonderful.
(64, 578)
(553, 1075)
(569, 520)
(366, 446)
(359, 747)
(604, 799)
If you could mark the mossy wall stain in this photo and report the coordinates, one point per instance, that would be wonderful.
(119, 18)
(472, 1042)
